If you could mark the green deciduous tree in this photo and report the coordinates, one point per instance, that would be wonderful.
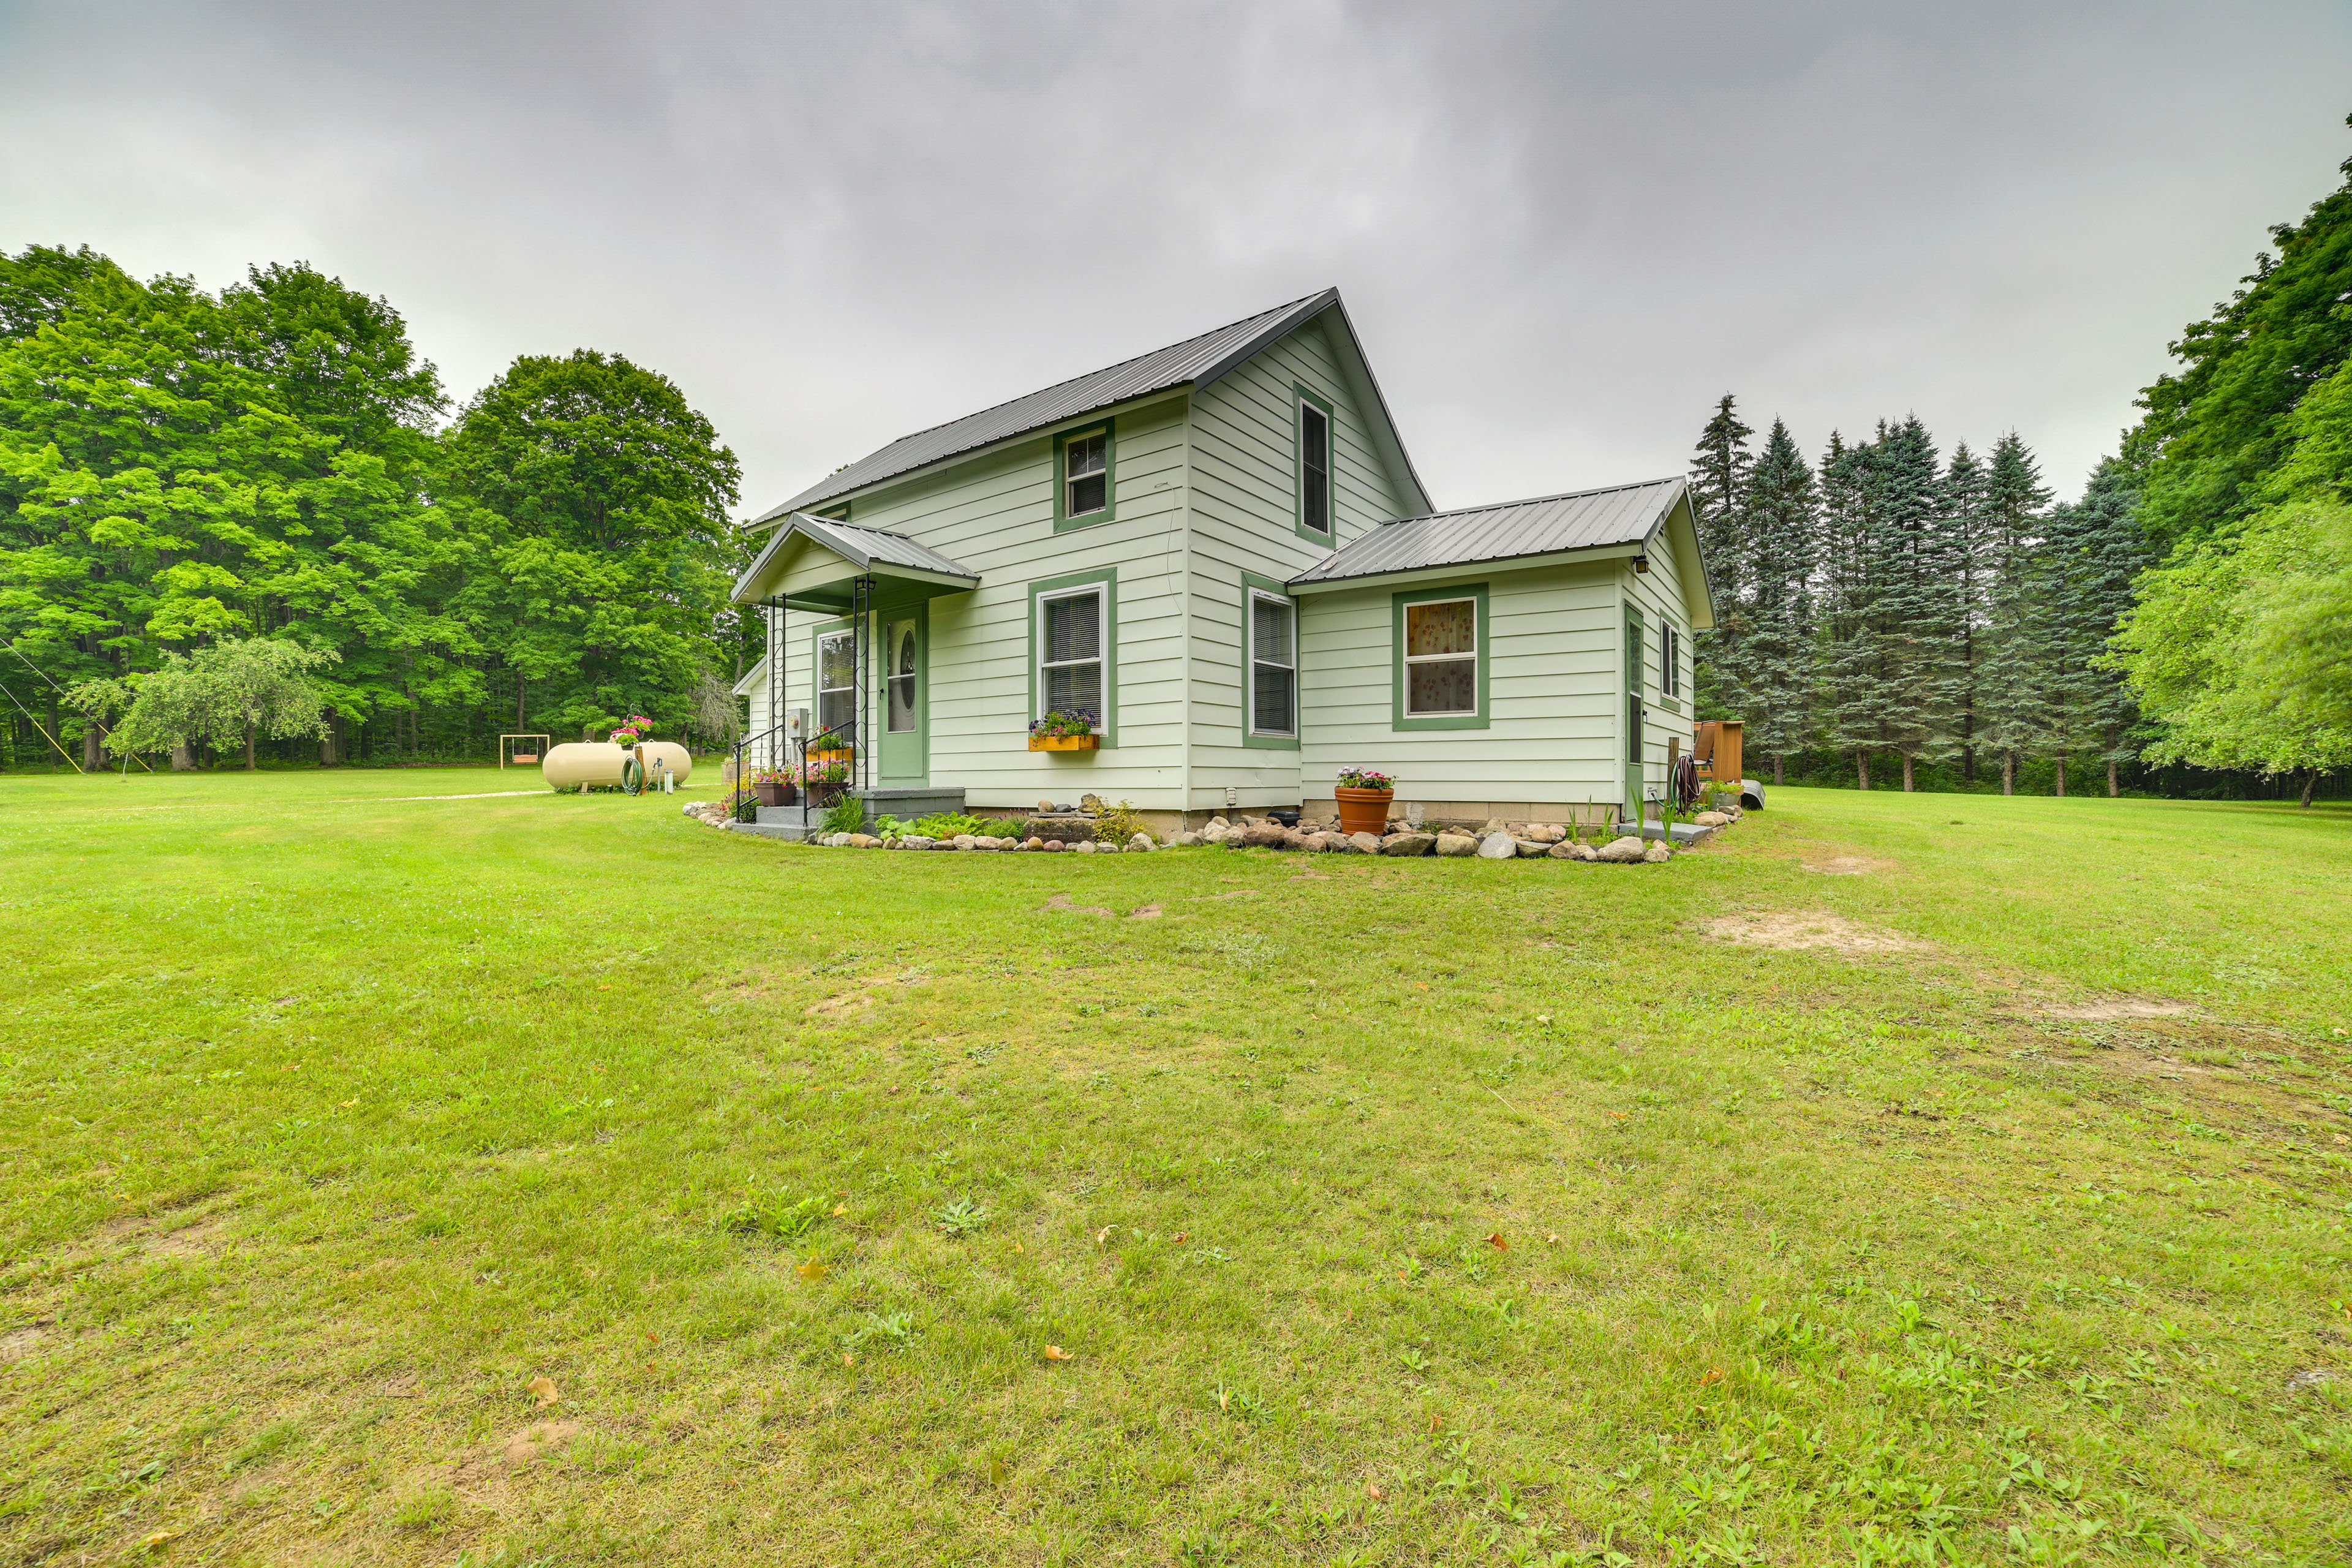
(229, 693)
(2236, 646)
(594, 500)
(2214, 432)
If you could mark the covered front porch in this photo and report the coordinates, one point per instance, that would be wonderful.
(846, 686)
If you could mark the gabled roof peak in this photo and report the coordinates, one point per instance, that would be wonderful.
(1198, 360)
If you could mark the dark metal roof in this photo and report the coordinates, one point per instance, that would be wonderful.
(1202, 360)
(1547, 525)
(864, 548)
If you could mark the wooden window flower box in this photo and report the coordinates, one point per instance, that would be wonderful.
(1065, 742)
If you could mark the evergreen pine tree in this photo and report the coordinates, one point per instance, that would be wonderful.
(1921, 612)
(1783, 525)
(1719, 486)
(2096, 547)
(1964, 523)
(1855, 569)
(2012, 687)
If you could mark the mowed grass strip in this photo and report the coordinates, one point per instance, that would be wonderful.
(550, 1179)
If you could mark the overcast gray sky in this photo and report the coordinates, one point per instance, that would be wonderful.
(1562, 231)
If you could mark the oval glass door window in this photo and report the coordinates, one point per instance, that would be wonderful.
(902, 678)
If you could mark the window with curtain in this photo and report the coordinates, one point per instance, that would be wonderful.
(1070, 652)
(836, 684)
(1670, 661)
(1274, 666)
(1441, 658)
(1314, 468)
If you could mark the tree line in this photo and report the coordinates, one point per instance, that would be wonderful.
(184, 473)
(1883, 604)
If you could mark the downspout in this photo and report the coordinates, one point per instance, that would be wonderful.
(1184, 631)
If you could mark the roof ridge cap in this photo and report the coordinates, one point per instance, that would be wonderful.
(1536, 501)
(1104, 370)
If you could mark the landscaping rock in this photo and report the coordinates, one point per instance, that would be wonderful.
(1456, 844)
(863, 841)
(1658, 853)
(1265, 835)
(1086, 847)
(1547, 832)
(1564, 851)
(968, 841)
(1188, 841)
(1219, 822)
(1033, 841)
(916, 841)
(1365, 843)
(1621, 852)
(1498, 846)
(1142, 843)
(1713, 819)
(1529, 848)
(1494, 824)
(1408, 843)
(1070, 829)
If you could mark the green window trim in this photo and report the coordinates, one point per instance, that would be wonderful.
(1398, 719)
(1108, 429)
(1252, 585)
(1302, 398)
(1107, 578)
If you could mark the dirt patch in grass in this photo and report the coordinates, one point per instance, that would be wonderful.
(18, 1344)
(849, 1004)
(526, 1446)
(2114, 1009)
(1791, 930)
(1848, 866)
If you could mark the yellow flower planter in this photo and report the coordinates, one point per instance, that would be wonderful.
(1064, 742)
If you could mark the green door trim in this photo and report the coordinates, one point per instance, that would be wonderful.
(898, 746)
(1634, 654)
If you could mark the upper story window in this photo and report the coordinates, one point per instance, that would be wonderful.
(1441, 659)
(1314, 466)
(1086, 474)
(1670, 661)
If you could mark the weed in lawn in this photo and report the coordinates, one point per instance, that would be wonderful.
(959, 1217)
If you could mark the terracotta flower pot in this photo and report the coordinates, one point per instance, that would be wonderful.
(1363, 810)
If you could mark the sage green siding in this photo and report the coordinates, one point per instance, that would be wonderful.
(1661, 593)
(1552, 692)
(994, 513)
(1245, 499)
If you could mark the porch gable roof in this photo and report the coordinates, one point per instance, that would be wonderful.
(869, 551)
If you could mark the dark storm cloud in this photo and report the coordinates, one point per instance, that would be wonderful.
(1562, 230)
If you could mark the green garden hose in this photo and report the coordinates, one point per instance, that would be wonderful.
(632, 777)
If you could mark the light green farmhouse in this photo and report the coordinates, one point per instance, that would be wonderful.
(1221, 552)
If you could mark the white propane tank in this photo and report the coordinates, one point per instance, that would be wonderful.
(578, 762)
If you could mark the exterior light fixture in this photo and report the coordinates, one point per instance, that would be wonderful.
(1641, 565)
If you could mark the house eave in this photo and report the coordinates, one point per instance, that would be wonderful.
(1454, 571)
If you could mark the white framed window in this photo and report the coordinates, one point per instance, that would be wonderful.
(1314, 468)
(1441, 659)
(836, 683)
(1670, 661)
(1070, 652)
(1086, 474)
(1274, 665)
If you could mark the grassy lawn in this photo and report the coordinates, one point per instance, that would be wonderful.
(1385, 1212)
